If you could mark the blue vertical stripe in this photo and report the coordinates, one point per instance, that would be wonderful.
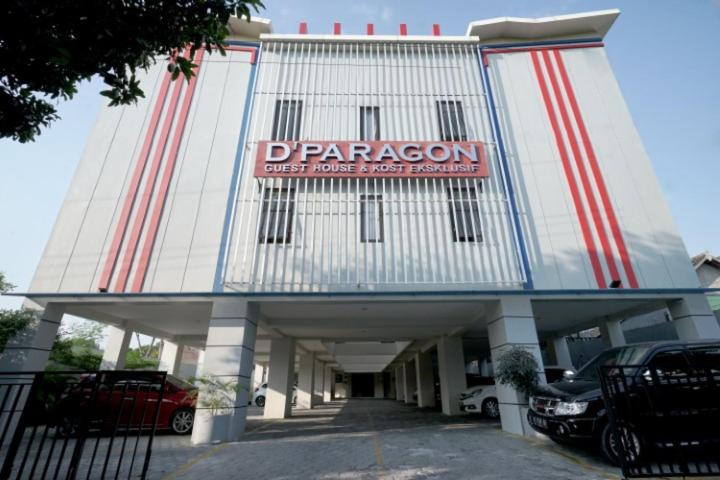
(510, 190)
(239, 158)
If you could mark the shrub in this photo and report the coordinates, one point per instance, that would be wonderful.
(517, 368)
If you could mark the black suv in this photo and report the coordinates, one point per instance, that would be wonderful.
(572, 410)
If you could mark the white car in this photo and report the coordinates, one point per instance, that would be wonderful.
(481, 399)
(260, 392)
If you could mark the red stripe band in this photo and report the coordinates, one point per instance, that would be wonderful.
(151, 234)
(120, 230)
(582, 172)
(597, 174)
(141, 214)
(584, 225)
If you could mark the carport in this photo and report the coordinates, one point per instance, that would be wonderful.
(405, 340)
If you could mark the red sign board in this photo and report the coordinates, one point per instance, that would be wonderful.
(370, 159)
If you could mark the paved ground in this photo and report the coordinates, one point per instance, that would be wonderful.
(369, 439)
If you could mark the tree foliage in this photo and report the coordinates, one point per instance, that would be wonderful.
(517, 368)
(12, 321)
(48, 48)
(77, 347)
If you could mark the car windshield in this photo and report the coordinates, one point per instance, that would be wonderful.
(616, 356)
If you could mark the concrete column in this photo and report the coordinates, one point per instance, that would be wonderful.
(281, 377)
(393, 389)
(511, 323)
(328, 383)
(258, 376)
(410, 381)
(306, 381)
(425, 380)
(171, 357)
(116, 348)
(379, 389)
(562, 352)
(200, 363)
(399, 382)
(451, 369)
(612, 332)
(229, 352)
(693, 318)
(403, 382)
(28, 351)
(319, 383)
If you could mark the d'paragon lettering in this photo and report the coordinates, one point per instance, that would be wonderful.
(371, 159)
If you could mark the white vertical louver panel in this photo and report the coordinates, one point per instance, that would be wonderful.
(329, 82)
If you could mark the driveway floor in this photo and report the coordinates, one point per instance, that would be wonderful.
(374, 439)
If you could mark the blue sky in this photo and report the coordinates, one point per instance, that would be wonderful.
(664, 54)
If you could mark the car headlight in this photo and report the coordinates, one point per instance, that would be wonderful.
(476, 393)
(571, 408)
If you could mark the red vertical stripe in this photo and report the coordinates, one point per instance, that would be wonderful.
(580, 165)
(592, 159)
(337, 28)
(303, 28)
(436, 29)
(151, 234)
(131, 248)
(403, 29)
(584, 225)
(113, 253)
(370, 29)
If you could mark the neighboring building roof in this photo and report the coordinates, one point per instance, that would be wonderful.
(705, 258)
(577, 25)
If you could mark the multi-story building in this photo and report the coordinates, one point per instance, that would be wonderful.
(368, 204)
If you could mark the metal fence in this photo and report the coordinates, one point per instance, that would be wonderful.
(78, 424)
(665, 418)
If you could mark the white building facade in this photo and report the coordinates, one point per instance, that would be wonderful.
(369, 204)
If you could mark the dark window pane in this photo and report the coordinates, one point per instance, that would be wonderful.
(369, 123)
(452, 121)
(371, 219)
(277, 215)
(286, 124)
(464, 214)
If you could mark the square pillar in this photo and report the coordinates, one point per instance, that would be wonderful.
(399, 382)
(410, 381)
(328, 383)
(612, 332)
(281, 377)
(562, 352)
(393, 380)
(451, 368)
(693, 318)
(116, 348)
(306, 381)
(28, 351)
(425, 380)
(511, 323)
(319, 382)
(258, 376)
(230, 347)
(379, 387)
(200, 363)
(170, 357)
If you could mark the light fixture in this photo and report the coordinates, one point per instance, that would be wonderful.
(616, 284)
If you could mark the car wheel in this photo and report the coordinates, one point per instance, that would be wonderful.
(181, 422)
(610, 448)
(491, 408)
(260, 401)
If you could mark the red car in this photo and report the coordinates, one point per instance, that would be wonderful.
(128, 400)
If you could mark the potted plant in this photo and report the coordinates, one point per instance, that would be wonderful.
(517, 368)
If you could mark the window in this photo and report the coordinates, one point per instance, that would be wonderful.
(464, 214)
(452, 121)
(369, 123)
(286, 125)
(371, 219)
(277, 214)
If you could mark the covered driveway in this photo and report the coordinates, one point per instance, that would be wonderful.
(370, 439)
